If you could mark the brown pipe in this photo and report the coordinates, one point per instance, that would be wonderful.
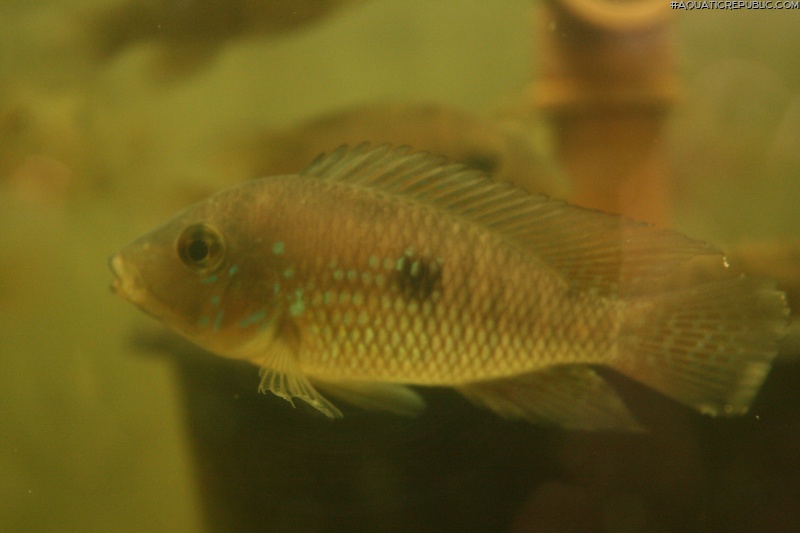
(607, 80)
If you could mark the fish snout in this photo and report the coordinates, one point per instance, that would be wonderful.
(113, 264)
(126, 282)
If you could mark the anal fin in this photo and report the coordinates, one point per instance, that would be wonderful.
(375, 396)
(570, 396)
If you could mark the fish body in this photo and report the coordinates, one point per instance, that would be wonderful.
(378, 268)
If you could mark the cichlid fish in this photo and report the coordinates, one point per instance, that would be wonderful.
(188, 34)
(379, 268)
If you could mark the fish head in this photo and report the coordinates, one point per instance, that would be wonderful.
(201, 274)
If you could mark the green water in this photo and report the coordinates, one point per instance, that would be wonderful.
(102, 433)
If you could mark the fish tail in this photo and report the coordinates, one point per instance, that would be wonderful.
(708, 346)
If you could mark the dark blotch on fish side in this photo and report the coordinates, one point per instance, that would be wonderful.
(418, 278)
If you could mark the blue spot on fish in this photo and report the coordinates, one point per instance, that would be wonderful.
(215, 299)
(233, 270)
(276, 288)
(210, 279)
(297, 308)
(218, 320)
(254, 318)
(278, 248)
(203, 322)
(288, 273)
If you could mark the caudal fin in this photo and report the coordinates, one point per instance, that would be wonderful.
(708, 346)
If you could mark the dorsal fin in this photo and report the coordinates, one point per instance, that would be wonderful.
(592, 250)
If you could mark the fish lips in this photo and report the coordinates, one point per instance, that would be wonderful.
(127, 283)
(123, 283)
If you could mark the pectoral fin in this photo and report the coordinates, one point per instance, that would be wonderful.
(281, 374)
(570, 396)
(390, 397)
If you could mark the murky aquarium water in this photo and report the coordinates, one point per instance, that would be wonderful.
(461, 352)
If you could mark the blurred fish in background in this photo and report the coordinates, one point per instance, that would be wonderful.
(189, 33)
(502, 148)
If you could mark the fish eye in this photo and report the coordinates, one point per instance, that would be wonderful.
(201, 248)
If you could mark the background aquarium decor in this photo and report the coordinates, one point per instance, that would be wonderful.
(116, 113)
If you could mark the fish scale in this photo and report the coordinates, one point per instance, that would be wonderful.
(377, 269)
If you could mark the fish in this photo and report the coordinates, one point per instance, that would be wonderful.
(189, 34)
(379, 271)
(498, 147)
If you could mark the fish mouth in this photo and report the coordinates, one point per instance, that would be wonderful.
(128, 284)
(127, 281)
(116, 269)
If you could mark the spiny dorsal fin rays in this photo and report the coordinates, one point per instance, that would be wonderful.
(360, 163)
(335, 163)
(594, 251)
